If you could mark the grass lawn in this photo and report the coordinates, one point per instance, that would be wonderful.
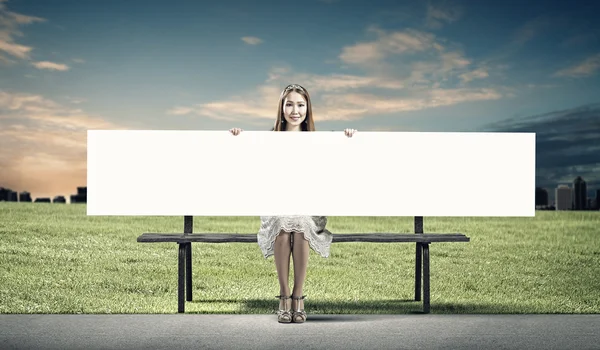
(55, 259)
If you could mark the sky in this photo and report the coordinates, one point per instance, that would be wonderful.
(433, 66)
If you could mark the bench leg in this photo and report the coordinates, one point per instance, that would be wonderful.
(185, 262)
(426, 278)
(418, 264)
(188, 271)
(418, 258)
(181, 279)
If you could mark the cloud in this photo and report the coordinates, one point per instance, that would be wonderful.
(440, 13)
(479, 73)
(334, 97)
(75, 100)
(411, 57)
(10, 22)
(9, 28)
(251, 40)
(345, 82)
(355, 106)
(44, 144)
(585, 68)
(395, 43)
(566, 144)
(50, 66)
(410, 70)
(250, 107)
(15, 50)
(180, 111)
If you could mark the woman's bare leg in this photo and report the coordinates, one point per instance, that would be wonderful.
(282, 264)
(300, 255)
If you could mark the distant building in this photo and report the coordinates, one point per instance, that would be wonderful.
(42, 200)
(563, 198)
(24, 196)
(59, 199)
(579, 194)
(8, 195)
(81, 196)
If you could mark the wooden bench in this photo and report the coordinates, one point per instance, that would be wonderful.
(185, 240)
(212, 173)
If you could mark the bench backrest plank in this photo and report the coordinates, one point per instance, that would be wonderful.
(213, 173)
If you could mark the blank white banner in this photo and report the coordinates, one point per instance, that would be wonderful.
(260, 173)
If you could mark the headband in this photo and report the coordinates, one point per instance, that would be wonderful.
(292, 86)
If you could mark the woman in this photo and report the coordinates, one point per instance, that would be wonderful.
(276, 234)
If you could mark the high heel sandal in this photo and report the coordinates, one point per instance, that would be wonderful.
(299, 315)
(284, 315)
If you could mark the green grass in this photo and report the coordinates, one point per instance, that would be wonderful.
(55, 259)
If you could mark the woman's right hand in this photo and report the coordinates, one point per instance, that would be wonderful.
(235, 131)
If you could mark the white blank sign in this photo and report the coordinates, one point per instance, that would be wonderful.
(260, 173)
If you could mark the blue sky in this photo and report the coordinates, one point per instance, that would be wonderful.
(69, 66)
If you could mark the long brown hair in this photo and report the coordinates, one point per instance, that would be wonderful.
(308, 124)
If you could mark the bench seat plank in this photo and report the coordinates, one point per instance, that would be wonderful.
(337, 238)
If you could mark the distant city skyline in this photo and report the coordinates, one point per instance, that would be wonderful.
(576, 197)
(435, 66)
(9, 195)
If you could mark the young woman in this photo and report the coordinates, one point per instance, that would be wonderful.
(283, 236)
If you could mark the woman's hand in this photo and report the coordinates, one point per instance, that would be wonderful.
(235, 131)
(350, 132)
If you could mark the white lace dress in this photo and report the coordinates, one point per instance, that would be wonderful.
(312, 227)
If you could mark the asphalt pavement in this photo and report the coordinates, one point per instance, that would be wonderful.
(201, 331)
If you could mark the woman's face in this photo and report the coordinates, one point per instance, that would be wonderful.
(294, 108)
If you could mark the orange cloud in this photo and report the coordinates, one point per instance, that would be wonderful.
(51, 66)
(44, 145)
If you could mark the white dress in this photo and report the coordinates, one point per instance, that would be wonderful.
(312, 227)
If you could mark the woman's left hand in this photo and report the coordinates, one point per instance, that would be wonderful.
(349, 132)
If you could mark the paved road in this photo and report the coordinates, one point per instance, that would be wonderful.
(319, 332)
